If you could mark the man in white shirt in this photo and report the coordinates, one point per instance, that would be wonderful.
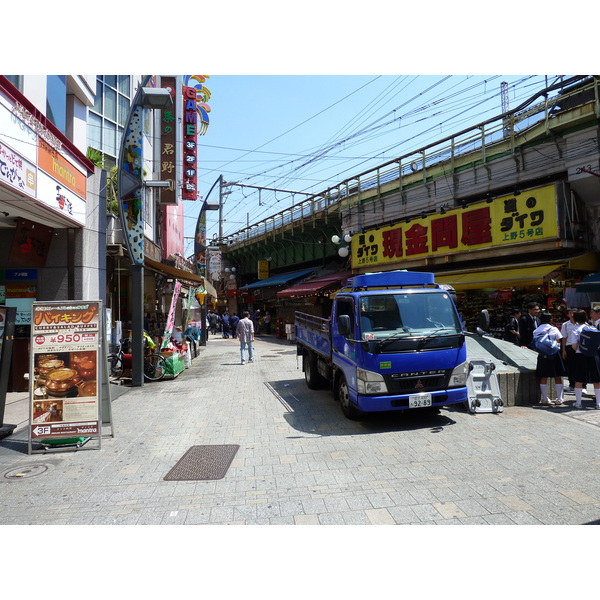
(245, 333)
(568, 353)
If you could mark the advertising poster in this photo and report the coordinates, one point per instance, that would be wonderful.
(171, 318)
(64, 395)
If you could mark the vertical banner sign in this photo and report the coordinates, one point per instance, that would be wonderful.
(168, 145)
(65, 350)
(171, 318)
(190, 137)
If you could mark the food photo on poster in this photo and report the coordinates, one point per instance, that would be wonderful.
(67, 375)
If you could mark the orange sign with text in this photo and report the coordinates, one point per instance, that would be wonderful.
(58, 167)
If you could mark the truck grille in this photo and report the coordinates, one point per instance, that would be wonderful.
(421, 381)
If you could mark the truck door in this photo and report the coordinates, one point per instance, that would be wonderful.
(343, 347)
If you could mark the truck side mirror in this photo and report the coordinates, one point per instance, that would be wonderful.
(344, 325)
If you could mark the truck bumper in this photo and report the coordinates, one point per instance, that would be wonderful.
(382, 403)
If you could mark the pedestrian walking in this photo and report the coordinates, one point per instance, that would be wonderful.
(587, 368)
(267, 322)
(213, 322)
(233, 323)
(568, 352)
(256, 318)
(225, 321)
(549, 366)
(245, 333)
(528, 323)
(511, 330)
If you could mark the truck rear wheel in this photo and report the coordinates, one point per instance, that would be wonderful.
(314, 381)
(343, 395)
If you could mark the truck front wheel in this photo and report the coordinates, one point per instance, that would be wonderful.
(343, 395)
(314, 381)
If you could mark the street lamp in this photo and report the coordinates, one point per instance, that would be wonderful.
(132, 209)
(343, 251)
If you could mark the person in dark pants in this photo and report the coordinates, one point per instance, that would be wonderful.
(568, 352)
(511, 331)
(233, 323)
(528, 323)
(549, 366)
(587, 368)
(226, 324)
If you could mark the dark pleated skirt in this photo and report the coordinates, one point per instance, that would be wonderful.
(587, 368)
(550, 366)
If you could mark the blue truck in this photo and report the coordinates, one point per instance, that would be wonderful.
(394, 341)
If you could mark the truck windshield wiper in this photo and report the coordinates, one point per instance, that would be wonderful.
(394, 336)
(433, 334)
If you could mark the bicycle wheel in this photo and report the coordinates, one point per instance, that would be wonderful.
(155, 367)
(115, 366)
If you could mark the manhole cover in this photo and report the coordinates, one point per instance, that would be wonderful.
(25, 472)
(202, 463)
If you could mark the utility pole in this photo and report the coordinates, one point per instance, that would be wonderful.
(505, 107)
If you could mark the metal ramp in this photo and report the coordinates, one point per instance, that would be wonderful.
(484, 390)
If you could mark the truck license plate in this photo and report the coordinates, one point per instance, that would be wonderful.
(419, 400)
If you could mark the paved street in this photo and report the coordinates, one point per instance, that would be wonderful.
(300, 462)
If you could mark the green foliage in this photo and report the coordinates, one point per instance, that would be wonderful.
(95, 156)
(112, 193)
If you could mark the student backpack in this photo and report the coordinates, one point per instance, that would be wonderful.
(546, 345)
(589, 341)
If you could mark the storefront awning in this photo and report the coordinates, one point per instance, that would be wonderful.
(277, 279)
(502, 278)
(308, 288)
(590, 283)
(190, 279)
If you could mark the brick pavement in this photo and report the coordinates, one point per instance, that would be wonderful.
(301, 462)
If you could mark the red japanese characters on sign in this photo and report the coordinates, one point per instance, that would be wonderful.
(190, 142)
(509, 219)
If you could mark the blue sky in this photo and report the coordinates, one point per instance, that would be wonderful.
(307, 133)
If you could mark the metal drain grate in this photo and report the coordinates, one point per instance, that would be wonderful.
(202, 463)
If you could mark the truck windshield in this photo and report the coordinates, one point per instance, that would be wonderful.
(408, 314)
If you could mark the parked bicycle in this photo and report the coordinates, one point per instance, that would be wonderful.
(155, 365)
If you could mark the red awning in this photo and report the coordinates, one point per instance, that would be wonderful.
(308, 288)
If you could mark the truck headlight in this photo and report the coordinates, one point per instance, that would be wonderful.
(368, 382)
(459, 375)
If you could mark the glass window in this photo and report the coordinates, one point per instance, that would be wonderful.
(95, 131)
(110, 138)
(123, 110)
(110, 104)
(98, 97)
(56, 101)
(110, 80)
(124, 85)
